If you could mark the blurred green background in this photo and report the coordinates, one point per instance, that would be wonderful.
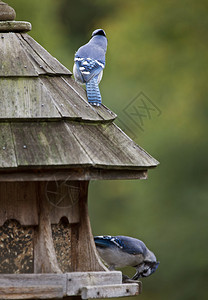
(158, 48)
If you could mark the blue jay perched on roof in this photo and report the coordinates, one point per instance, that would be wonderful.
(89, 63)
(123, 251)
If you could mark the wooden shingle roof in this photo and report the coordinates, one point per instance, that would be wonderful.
(47, 124)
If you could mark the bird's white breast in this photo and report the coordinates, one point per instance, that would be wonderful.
(116, 258)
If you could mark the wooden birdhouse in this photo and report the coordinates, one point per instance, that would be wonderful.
(52, 143)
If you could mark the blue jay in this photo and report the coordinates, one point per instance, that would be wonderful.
(123, 251)
(89, 63)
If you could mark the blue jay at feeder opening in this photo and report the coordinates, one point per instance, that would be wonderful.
(123, 251)
(89, 63)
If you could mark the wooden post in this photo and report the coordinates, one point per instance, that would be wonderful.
(84, 254)
(45, 260)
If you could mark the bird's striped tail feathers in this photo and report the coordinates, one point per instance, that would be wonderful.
(93, 92)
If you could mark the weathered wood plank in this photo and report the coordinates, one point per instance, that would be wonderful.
(51, 61)
(83, 250)
(72, 174)
(87, 284)
(15, 26)
(14, 60)
(32, 292)
(98, 147)
(7, 152)
(108, 146)
(136, 154)
(18, 201)
(115, 174)
(77, 87)
(110, 291)
(68, 102)
(47, 143)
(77, 280)
(104, 113)
(39, 64)
(61, 97)
(32, 286)
(18, 280)
(72, 144)
(45, 260)
(63, 197)
(25, 98)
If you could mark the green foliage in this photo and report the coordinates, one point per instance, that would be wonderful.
(79, 17)
(159, 48)
(46, 26)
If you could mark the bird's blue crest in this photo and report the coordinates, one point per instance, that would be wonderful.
(98, 32)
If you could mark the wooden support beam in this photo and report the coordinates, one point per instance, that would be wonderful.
(45, 260)
(84, 254)
(81, 174)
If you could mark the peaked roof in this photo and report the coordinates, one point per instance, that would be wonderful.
(46, 122)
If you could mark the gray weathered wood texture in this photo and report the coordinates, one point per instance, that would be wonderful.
(18, 201)
(26, 98)
(108, 146)
(44, 252)
(6, 12)
(87, 285)
(113, 290)
(15, 26)
(71, 174)
(22, 56)
(44, 144)
(52, 62)
(7, 151)
(84, 255)
(47, 144)
(76, 280)
(32, 286)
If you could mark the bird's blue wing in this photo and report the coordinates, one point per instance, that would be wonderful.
(125, 243)
(88, 68)
(104, 241)
(131, 245)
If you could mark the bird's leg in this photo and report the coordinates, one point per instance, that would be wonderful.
(111, 268)
(125, 278)
(136, 276)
